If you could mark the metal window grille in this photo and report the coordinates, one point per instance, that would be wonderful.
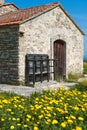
(38, 68)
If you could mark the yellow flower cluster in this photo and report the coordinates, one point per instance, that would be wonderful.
(53, 109)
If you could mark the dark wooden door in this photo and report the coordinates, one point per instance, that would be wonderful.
(59, 51)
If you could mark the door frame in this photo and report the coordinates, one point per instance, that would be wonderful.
(64, 65)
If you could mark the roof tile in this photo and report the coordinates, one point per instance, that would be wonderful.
(20, 15)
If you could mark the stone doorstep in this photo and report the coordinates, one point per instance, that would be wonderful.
(27, 91)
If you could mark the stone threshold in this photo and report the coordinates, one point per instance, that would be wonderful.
(39, 87)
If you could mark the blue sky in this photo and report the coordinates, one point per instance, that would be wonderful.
(76, 8)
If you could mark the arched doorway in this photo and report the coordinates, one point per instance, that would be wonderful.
(60, 59)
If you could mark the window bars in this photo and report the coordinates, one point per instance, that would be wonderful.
(39, 68)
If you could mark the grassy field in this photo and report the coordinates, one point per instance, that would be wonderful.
(52, 110)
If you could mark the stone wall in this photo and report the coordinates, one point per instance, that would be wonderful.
(37, 36)
(1, 1)
(40, 34)
(7, 8)
(9, 37)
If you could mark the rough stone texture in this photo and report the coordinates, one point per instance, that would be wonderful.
(7, 8)
(1, 1)
(9, 54)
(40, 34)
(37, 36)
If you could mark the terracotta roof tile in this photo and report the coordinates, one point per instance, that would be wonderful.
(24, 14)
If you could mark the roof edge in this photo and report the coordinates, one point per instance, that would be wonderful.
(40, 14)
(12, 23)
(9, 4)
(58, 5)
(71, 19)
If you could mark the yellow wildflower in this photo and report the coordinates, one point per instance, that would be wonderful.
(54, 122)
(2, 119)
(73, 117)
(83, 109)
(18, 119)
(18, 124)
(70, 121)
(9, 118)
(78, 128)
(28, 116)
(1, 106)
(49, 115)
(14, 119)
(37, 99)
(40, 116)
(48, 120)
(36, 128)
(76, 108)
(12, 112)
(27, 119)
(61, 86)
(9, 110)
(5, 101)
(33, 118)
(38, 122)
(22, 99)
(15, 106)
(63, 124)
(80, 118)
(12, 127)
(42, 111)
(25, 126)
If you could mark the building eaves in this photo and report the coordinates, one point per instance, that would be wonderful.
(52, 9)
(24, 15)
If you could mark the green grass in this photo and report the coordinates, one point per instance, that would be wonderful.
(52, 110)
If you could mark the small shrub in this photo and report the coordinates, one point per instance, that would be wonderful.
(85, 64)
(84, 83)
(85, 67)
(73, 77)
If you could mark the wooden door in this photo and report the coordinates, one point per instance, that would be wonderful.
(59, 56)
